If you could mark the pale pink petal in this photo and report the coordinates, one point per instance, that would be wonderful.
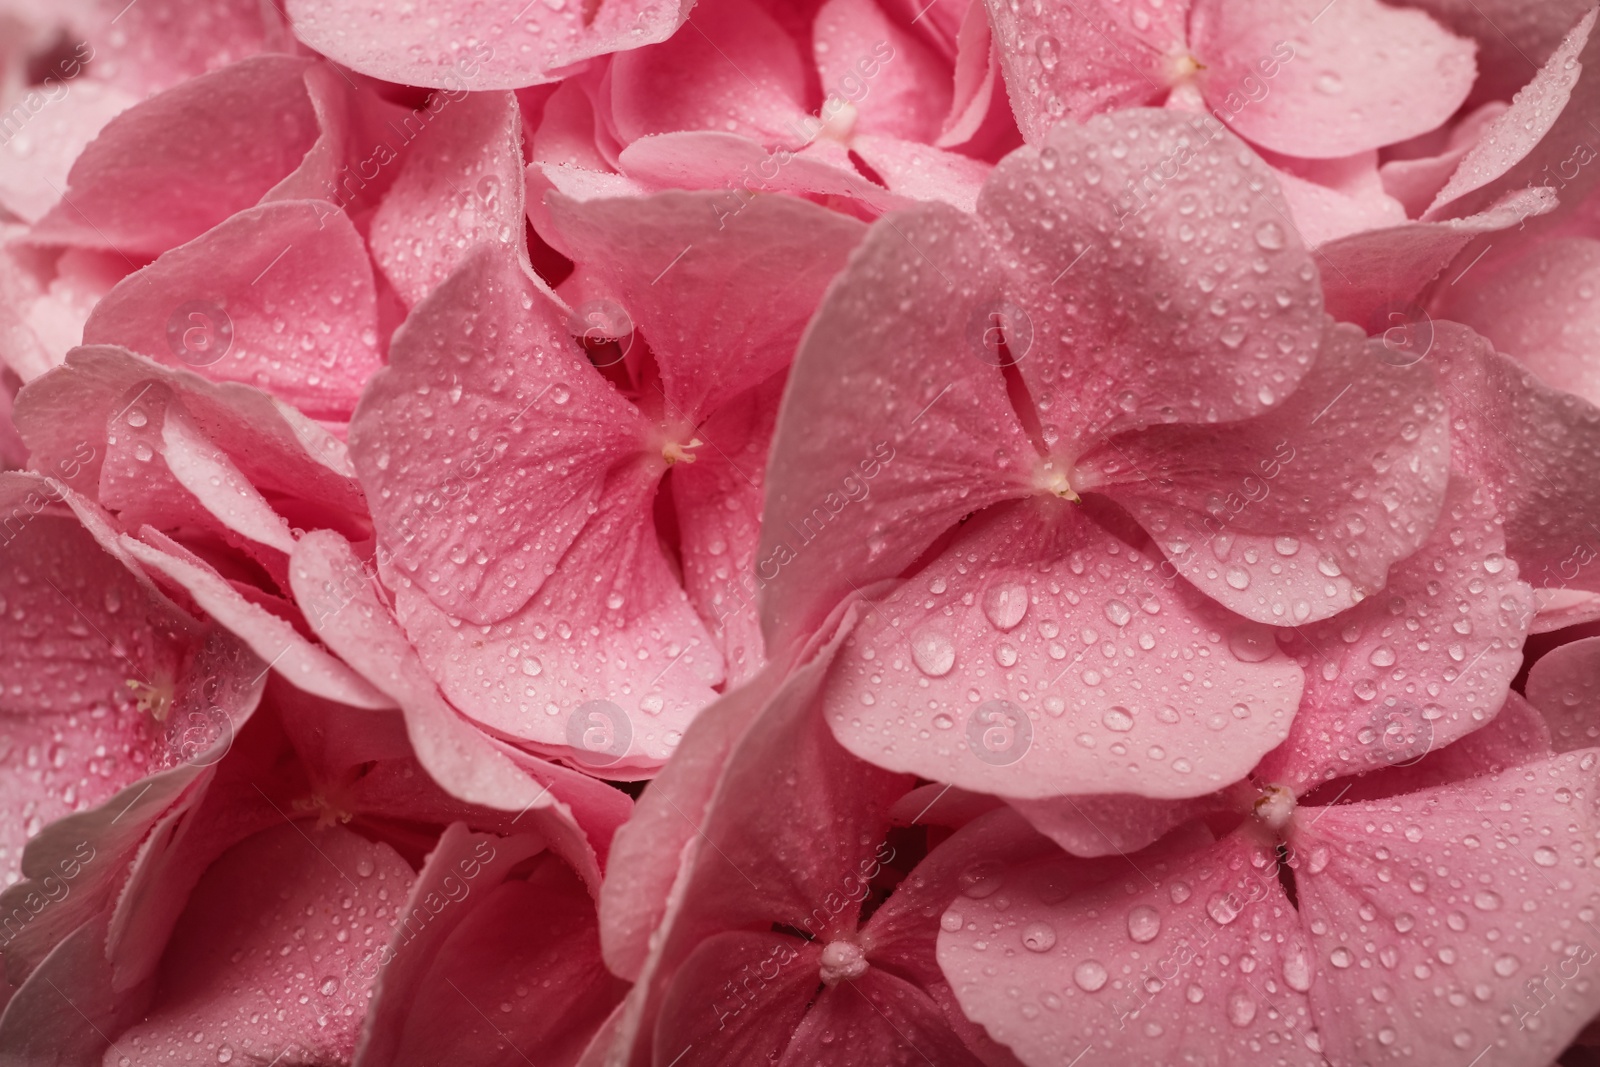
(1168, 961)
(722, 299)
(504, 44)
(986, 675)
(1416, 180)
(1426, 660)
(1547, 120)
(941, 805)
(1073, 61)
(1474, 908)
(1144, 342)
(1110, 825)
(1373, 278)
(516, 415)
(1331, 198)
(59, 120)
(740, 167)
(1513, 37)
(164, 172)
(978, 81)
(1560, 608)
(946, 441)
(747, 78)
(44, 1024)
(68, 415)
(1531, 448)
(1346, 77)
(1565, 686)
(611, 625)
(152, 46)
(892, 83)
(299, 661)
(1297, 514)
(718, 501)
(222, 974)
(922, 172)
(1518, 734)
(341, 604)
(279, 296)
(462, 183)
(1539, 308)
(45, 298)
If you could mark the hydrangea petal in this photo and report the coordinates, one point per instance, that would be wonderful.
(279, 296)
(1299, 513)
(995, 678)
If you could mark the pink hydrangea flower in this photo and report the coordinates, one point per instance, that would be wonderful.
(634, 534)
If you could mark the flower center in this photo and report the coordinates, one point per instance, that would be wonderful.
(841, 124)
(155, 697)
(673, 452)
(1275, 807)
(1052, 477)
(1182, 65)
(842, 960)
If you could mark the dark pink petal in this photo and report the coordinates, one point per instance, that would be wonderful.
(890, 81)
(1531, 448)
(883, 1021)
(1319, 81)
(1039, 655)
(462, 183)
(1547, 121)
(1539, 308)
(279, 297)
(1074, 61)
(662, 836)
(721, 294)
(515, 415)
(1489, 885)
(231, 960)
(342, 606)
(1297, 514)
(504, 44)
(902, 935)
(1564, 685)
(1426, 660)
(1194, 954)
(164, 172)
(707, 1014)
(732, 69)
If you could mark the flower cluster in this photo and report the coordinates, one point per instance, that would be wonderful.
(978, 533)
